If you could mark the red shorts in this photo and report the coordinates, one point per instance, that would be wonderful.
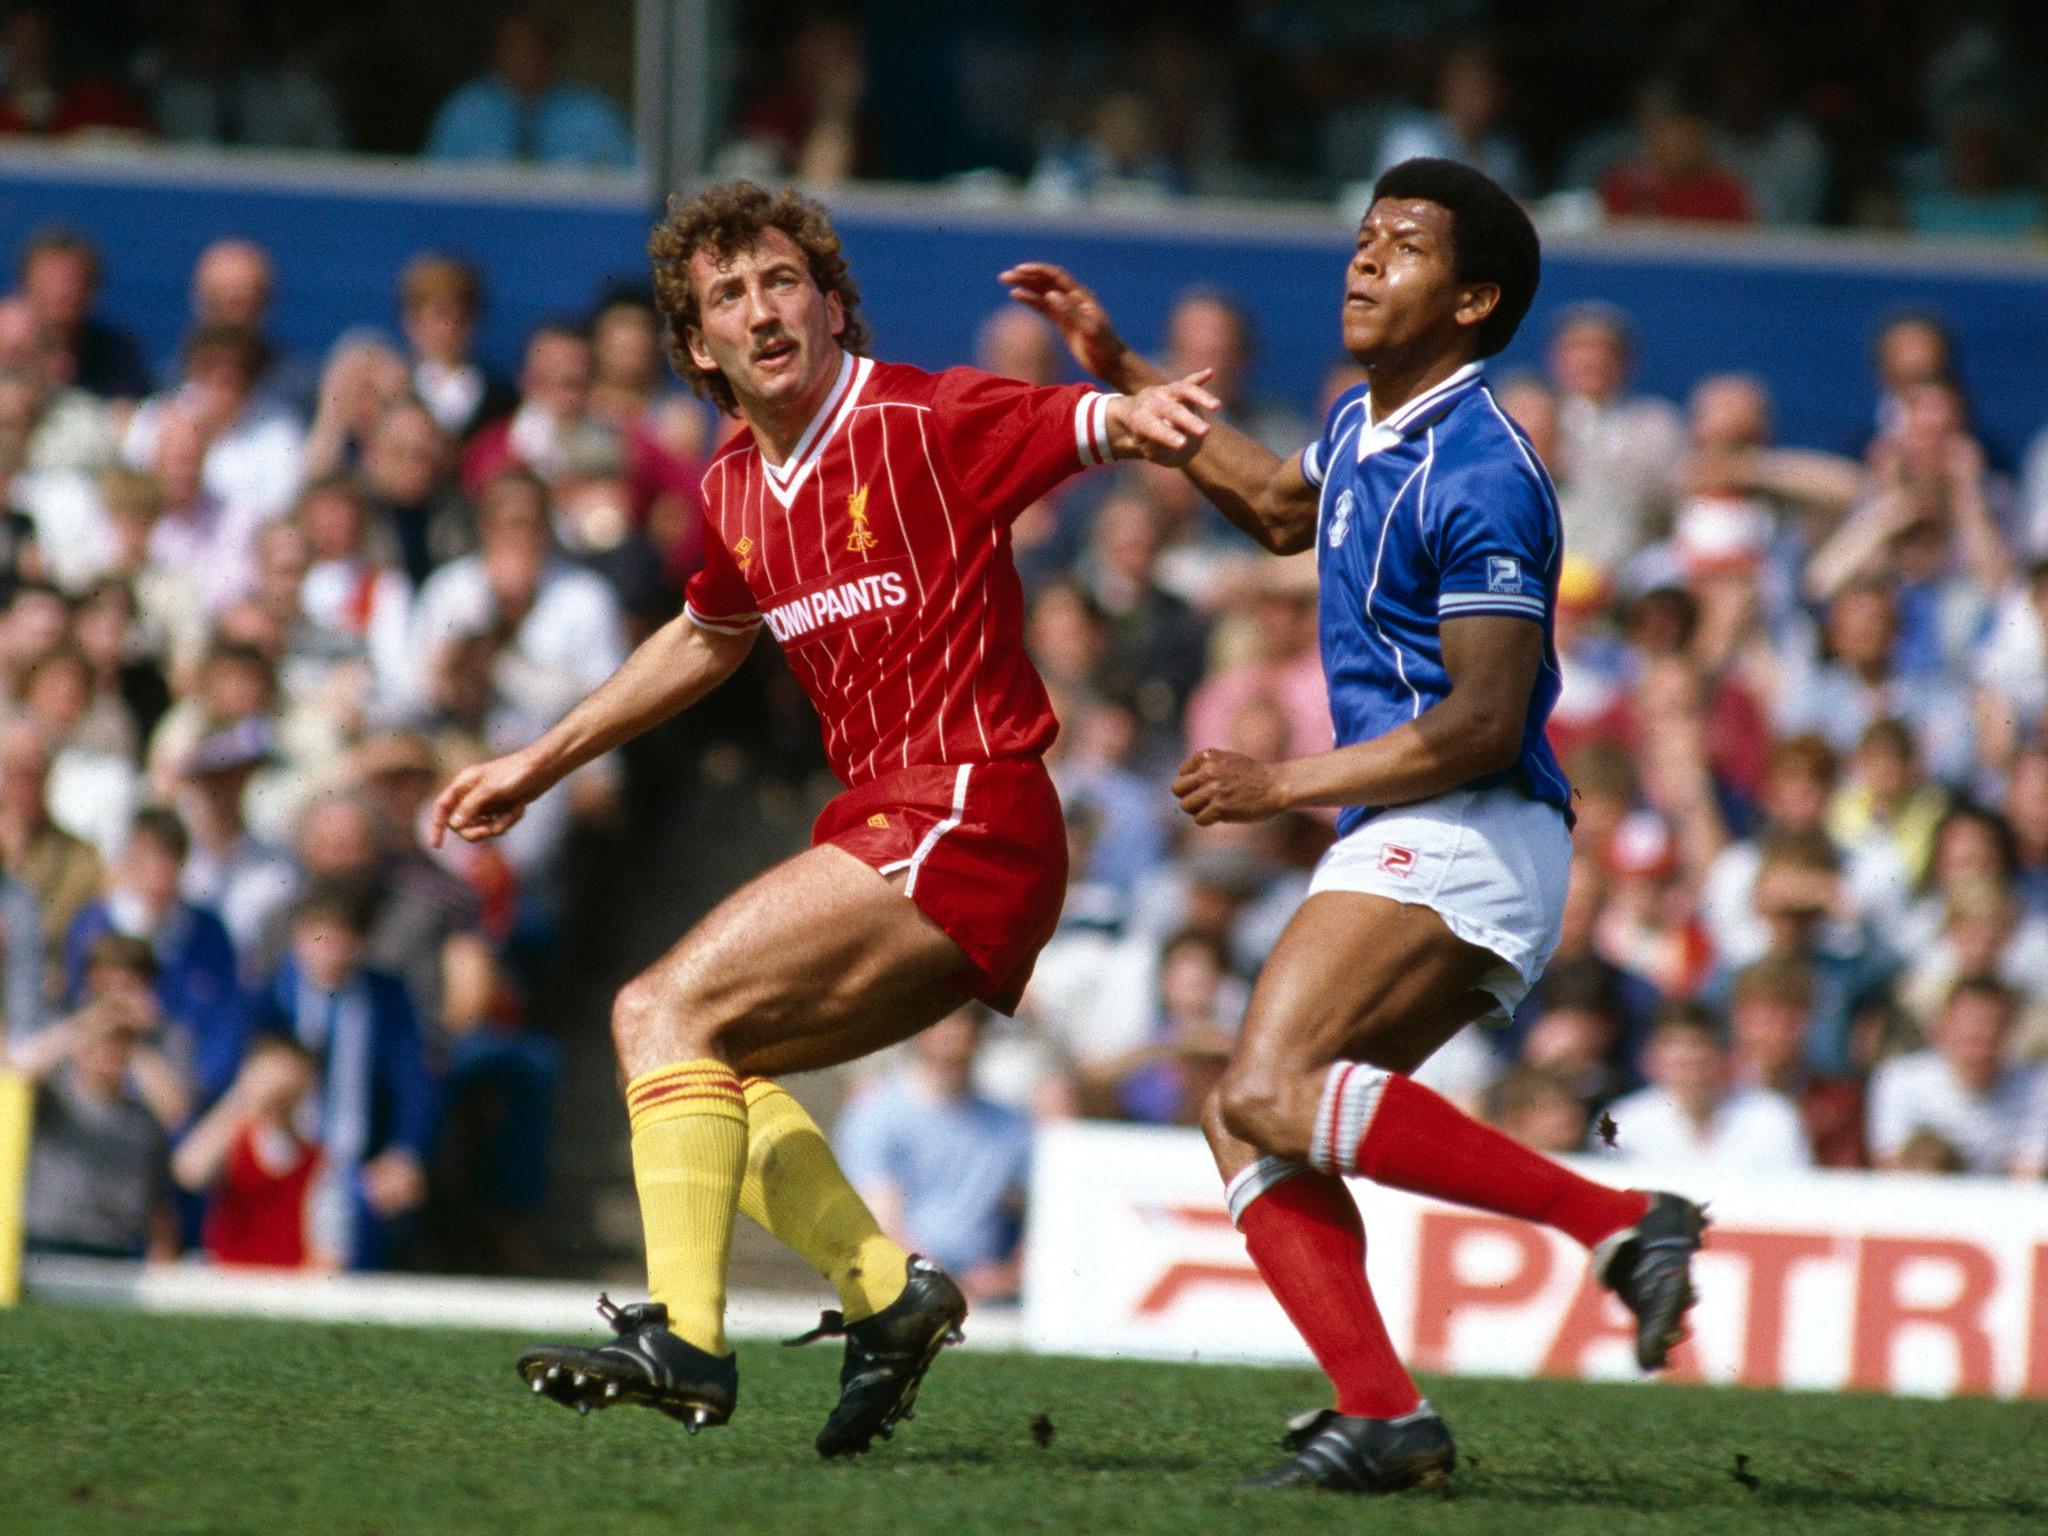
(982, 851)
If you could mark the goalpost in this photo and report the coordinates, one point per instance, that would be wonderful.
(17, 1103)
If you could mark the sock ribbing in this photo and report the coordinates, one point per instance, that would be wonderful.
(1344, 1113)
(1304, 1233)
(689, 1123)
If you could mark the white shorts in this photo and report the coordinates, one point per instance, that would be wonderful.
(1492, 863)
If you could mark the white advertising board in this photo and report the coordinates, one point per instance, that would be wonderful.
(1889, 1283)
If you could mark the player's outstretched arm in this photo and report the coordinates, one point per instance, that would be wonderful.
(1164, 423)
(1265, 495)
(1084, 325)
(668, 672)
(1476, 730)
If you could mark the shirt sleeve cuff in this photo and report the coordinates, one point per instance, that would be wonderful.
(1465, 605)
(1312, 464)
(723, 624)
(1091, 428)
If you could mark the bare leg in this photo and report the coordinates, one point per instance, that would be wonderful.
(1378, 986)
(1300, 1225)
(1353, 978)
(817, 961)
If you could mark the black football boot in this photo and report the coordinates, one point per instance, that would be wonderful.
(1649, 1266)
(645, 1364)
(1344, 1454)
(887, 1356)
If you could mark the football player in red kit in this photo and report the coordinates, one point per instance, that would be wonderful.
(864, 521)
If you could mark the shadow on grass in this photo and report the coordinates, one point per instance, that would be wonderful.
(1060, 1461)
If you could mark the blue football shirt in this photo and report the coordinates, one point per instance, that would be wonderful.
(1439, 512)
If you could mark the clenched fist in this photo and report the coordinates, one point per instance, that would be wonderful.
(1215, 786)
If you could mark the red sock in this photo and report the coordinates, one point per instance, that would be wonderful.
(1396, 1132)
(1305, 1236)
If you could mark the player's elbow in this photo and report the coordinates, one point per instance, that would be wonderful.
(1289, 540)
(1282, 529)
(1492, 739)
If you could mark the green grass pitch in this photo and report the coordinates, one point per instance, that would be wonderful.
(118, 1422)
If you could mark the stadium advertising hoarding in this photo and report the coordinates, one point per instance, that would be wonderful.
(1888, 1283)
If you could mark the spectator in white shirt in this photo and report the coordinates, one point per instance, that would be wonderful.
(54, 513)
(254, 443)
(194, 530)
(1966, 1090)
(1691, 1114)
(354, 608)
(93, 790)
(559, 624)
(438, 299)
(1986, 932)
(71, 429)
(1621, 448)
(1798, 779)
(231, 870)
(2011, 666)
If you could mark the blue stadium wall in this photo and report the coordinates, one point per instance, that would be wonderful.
(1800, 311)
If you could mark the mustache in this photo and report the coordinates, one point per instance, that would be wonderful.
(775, 340)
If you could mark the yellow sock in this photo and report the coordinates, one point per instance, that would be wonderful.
(794, 1188)
(689, 1155)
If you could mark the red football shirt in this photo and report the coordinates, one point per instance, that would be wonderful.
(258, 1214)
(879, 555)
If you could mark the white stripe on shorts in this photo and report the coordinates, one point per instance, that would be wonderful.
(931, 838)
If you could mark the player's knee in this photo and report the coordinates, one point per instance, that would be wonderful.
(634, 1011)
(1250, 1106)
(654, 1018)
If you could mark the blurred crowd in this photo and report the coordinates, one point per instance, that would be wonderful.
(485, 86)
(255, 606)
(1882, 113)
(254, 609)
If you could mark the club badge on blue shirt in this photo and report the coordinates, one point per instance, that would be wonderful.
(1340, 518)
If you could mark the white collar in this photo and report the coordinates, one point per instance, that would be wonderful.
(1384, 434)
(784, 479)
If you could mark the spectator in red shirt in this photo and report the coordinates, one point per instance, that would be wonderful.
(38, 96)
(1649, 928)
(259, 1167)
(1674, 174)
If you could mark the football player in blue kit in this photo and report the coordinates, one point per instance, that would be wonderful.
(1437, 542)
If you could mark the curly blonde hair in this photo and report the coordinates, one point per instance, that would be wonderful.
(726, 220)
